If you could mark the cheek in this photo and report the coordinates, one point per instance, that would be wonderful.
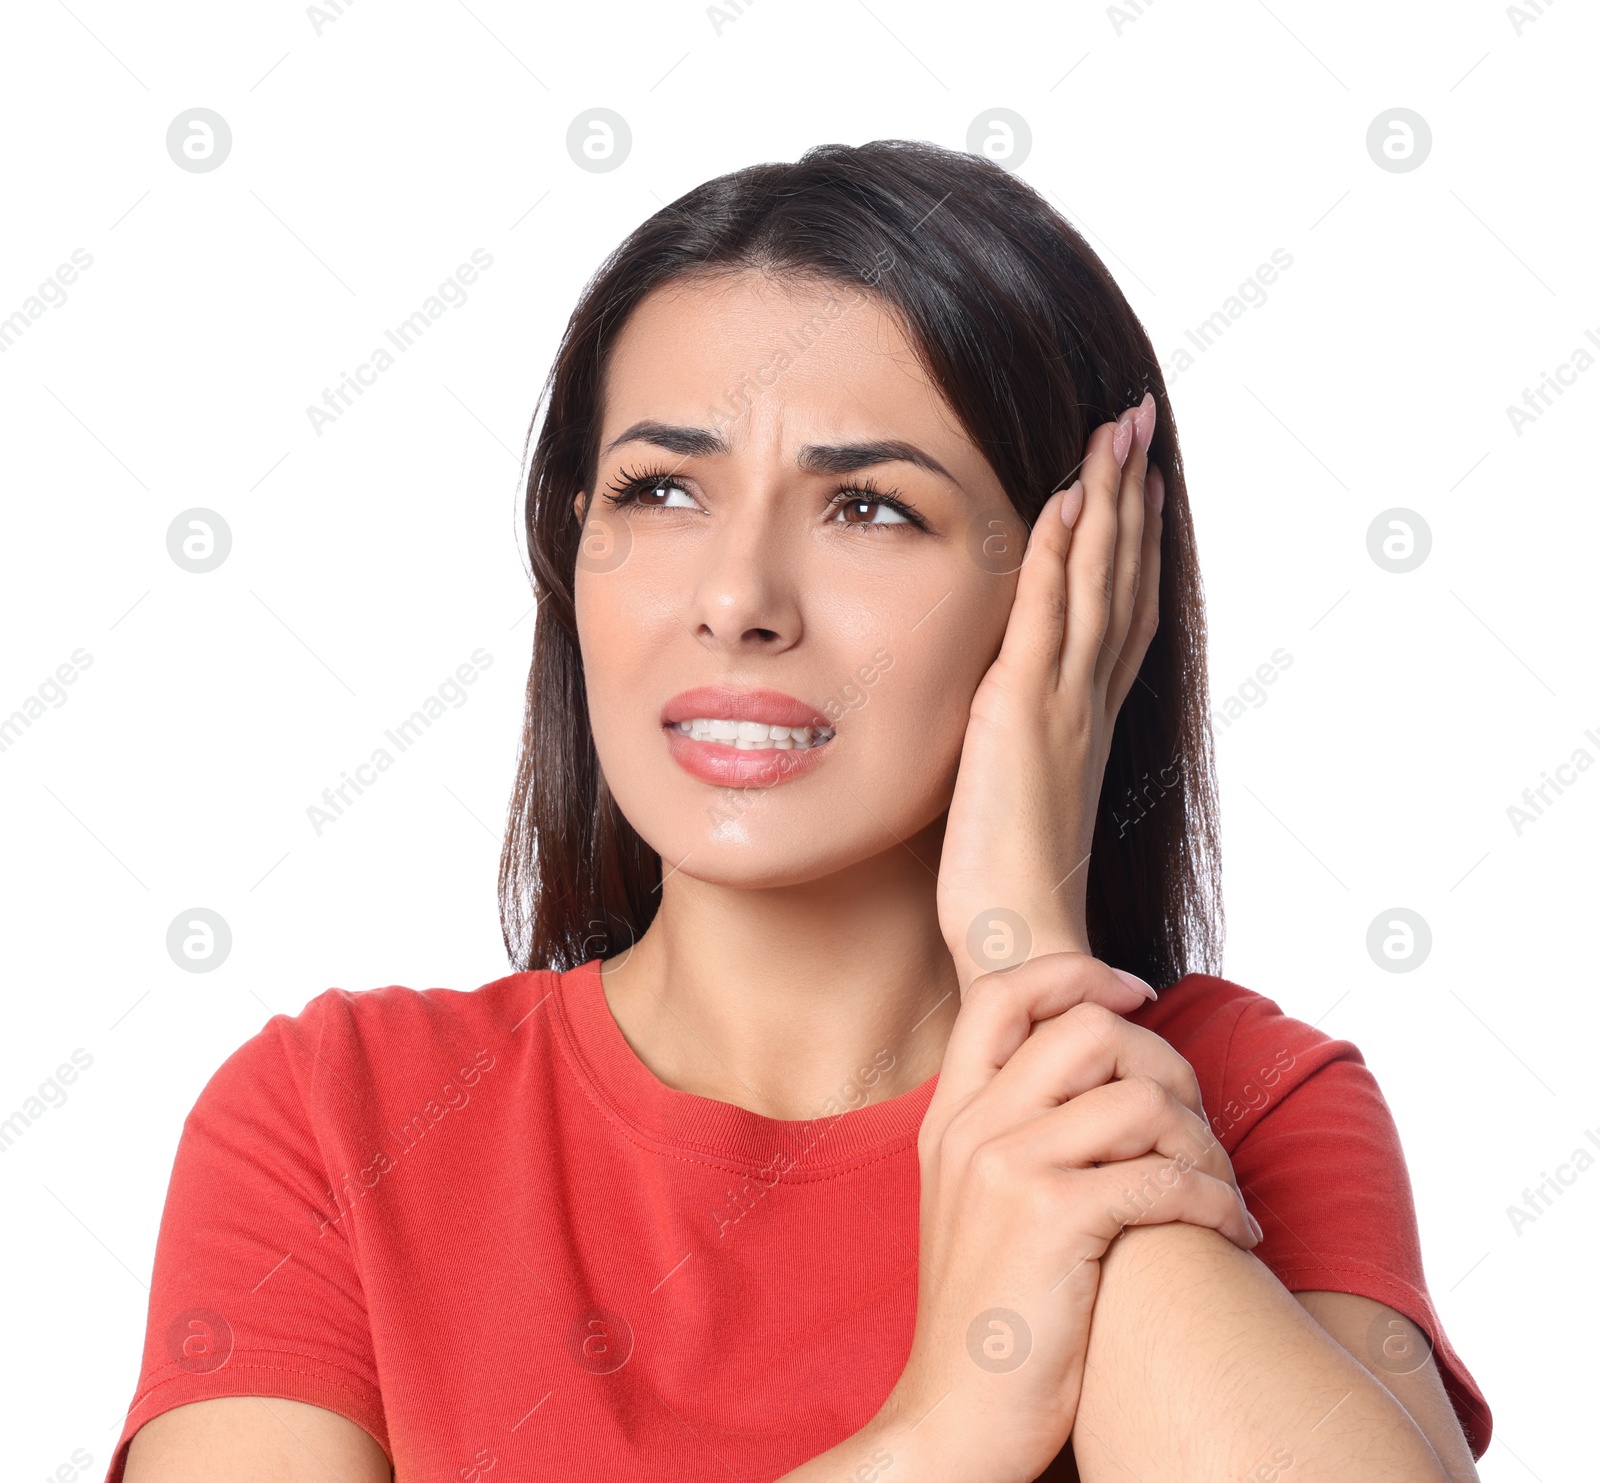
(614, 648)
(621, 624)
(913, 753)
(916, 710)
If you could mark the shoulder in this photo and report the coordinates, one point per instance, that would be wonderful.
(402, 1017)
(1217, 1019)
(1247, 1054)
(345, 1045)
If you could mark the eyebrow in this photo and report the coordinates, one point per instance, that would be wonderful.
(816, 458)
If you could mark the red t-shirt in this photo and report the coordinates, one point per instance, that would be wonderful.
(477, 1225)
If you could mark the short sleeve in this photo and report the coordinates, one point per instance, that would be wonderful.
(1318, 1158)
(255, 1290)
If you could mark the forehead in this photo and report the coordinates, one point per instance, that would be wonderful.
(774, 353)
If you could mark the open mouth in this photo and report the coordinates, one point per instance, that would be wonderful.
(754, 736)
(757, 758)
(744, 738)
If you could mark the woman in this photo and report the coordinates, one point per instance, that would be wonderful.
(833, 1128)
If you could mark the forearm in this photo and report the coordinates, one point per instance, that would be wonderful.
(885, 1450)
(1201, 1365)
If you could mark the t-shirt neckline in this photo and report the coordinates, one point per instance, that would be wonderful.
(687, 1123)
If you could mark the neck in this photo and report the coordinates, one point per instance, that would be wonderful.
(793, 1001)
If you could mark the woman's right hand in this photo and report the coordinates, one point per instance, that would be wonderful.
(1055, 1123)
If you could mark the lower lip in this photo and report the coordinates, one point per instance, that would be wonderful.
(753, 767)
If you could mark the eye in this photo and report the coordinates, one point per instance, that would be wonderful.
(852, 506)
(879, 508)
(651, 490)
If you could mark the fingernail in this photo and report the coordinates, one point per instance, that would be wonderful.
(1144, 422)
(1122, 439)
(1134, 982)
(1155, 488)
(1255, 1225)
(1072, 503)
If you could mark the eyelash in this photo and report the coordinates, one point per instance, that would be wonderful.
(629, 486)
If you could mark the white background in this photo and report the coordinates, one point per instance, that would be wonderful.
(369, 160)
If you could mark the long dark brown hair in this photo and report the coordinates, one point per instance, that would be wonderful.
(1033, 345)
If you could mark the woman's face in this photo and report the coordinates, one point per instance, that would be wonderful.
(805, 535)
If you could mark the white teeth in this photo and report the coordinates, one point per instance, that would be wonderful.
(750, 736)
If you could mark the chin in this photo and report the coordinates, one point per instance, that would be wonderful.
(753, 840)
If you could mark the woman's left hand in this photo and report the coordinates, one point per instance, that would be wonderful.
(1014, 868)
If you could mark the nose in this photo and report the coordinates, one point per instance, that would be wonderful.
(745, 596)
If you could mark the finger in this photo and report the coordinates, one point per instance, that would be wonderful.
(1085, 1047)
(1129, 555)
(1146, 616)
(1153, 1191)
(1031, 648)
(1091, 557)
(998, 1013)
(1113, 1123)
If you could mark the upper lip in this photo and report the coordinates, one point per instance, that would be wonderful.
(719, 703)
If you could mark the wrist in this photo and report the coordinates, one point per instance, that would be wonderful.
(1061, 940)
(919, 1442)
(902, 1451)
(1002, 939)
(1041, 942)
(881, 1452)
